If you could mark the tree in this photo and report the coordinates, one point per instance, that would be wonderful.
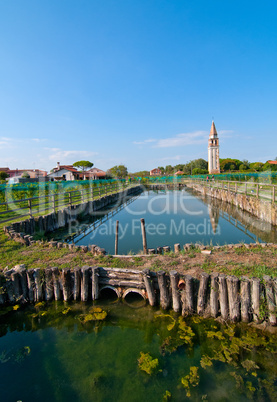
(84, 165)
(3, 175)
(161, 169)
(119, 171)
(25, 175)
(199, 171)
(169, 170)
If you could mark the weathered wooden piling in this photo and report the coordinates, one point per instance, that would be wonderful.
(66, 284)
(16, 285)
(23, 282)
(269, 290)
(85, 273)
(164, 295)
(95, 283)
(38, 278)
(159, 250)
(255, 298)
(166, 249)
(149, 287)
(144, 242)
(56, 283)
(49, 289)
(174, 279)
(76, 283)
(233, 298)
(116, 238)
(31, 285)
(177, 248)
(245, 299)
(214, 295)
(187, 295)
(202, 293)
(223, 296)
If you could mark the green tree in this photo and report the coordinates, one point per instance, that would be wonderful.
(199, 171)
(25, 175)
(119, 171)
(257, 166)
(161, 169)
(84, 165)
(3, 175)
(169, 170)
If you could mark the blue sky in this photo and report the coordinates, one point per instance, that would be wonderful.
(136, 82)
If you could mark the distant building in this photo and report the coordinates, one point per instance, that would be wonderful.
(155, 172)
(179, 173)
(33, 173)
(69, 172)
(213, 151)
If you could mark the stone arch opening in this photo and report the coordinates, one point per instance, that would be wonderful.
(109, 292)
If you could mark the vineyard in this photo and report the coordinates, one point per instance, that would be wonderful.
(30, 199)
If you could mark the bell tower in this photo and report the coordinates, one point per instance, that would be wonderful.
(213, 151)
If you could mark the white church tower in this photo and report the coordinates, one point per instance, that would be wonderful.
(213, 151)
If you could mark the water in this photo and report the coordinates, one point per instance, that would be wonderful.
(171, 217)
(48, 354)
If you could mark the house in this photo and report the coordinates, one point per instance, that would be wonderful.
(33, 173)
(69, 172)
(179, 173)
(156, 172)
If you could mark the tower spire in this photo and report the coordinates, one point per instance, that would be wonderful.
(213, 151)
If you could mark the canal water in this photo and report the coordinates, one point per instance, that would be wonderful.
(56, 352)
(171, 217)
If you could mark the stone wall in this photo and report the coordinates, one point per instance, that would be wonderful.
(263, 209)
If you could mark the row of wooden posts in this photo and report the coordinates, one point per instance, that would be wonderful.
(212, 295)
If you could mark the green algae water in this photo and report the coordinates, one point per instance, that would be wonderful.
(57, 352)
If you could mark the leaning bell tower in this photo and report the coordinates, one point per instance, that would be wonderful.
(213, 151)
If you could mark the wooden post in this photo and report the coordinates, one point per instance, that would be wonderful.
(149, 287)
(164, 296)
(144, 242)
(69, 199)
(255, 298)
(246, 188)
(23, 281)
(56, 283)
(49, 290)
(66, 284)
(174, 280)
(214, 295)
(31, 285)
(54, 204)
(257, 190)
(84, 282)
(116, 238)
(233, 297)
(76, 284)
(30, 207)
(202, 293)
(95, 283)
(177, 248)
(245, 298)
(38, 284)
(273, 194)
(16, 285)
(187, 296)
(236, 187)
(223, 296)
(92, 193)
(159, 250)
(268, 283)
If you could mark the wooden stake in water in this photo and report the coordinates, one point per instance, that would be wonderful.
(144, 242)
(116, 238)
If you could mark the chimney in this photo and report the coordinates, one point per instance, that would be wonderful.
(58, 165)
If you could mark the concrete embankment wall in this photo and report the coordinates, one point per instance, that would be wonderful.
(214, 295)
(55, 220)
(263, 209)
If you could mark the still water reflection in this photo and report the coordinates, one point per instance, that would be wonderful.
(171, 217)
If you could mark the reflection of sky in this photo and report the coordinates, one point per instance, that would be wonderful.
(185, 219)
